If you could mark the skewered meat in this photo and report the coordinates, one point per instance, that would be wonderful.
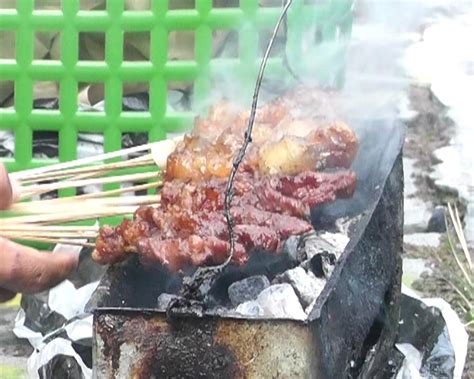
(274, 150)
(292, 195)
(275, 187)
(285, 140)
(189, 228)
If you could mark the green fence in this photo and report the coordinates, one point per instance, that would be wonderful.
(327, 22)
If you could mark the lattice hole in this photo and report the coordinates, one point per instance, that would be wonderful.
(181, 45)
(131, 139)
(8, 43)
(225, 43)
(225, 3)
(90, 94)
(88, 145)
(45, 144)
(180, 4)
(7, 93)
(86, 5)
(47, 5)
(138, 5)
(92, 46)
(135, 97)
(179, 96)
(136, 46)
(275, 3)
(278, 48)
(47, 45)
(7, 143)
(46, 95)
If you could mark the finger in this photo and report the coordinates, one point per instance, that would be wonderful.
(27, 270)
(6, 295)
(6, 195)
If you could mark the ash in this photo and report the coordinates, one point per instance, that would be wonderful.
(283, 286)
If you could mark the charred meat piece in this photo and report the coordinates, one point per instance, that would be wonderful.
(189, 228)
(291, 195)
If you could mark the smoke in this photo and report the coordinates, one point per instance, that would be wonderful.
(376, 81)
(364, 59)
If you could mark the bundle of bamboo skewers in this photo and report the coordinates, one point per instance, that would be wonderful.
(49, 220)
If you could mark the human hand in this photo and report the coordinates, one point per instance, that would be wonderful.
(23, 269)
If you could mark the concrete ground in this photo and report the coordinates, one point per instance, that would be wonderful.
(13, 351)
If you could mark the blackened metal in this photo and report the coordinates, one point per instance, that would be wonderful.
(130, 285)
(366, 280)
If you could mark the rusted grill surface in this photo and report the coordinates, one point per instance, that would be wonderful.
(146, 345)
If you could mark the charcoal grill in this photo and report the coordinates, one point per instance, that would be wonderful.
(348, 333)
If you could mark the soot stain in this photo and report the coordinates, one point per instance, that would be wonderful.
(181, 349)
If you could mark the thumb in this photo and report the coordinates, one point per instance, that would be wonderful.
(6, 193)
(27, 270)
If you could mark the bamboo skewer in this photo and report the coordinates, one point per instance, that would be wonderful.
(49, 219)
(48, 234)
(136, 162)
(40, 220)
(53, 206)
(166, 145)
(71, 242)
(39, 229)
(76, 215)
(105, 194)
(44, 188)
(60, 234)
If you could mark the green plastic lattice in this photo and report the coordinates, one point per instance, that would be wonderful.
(328, 20)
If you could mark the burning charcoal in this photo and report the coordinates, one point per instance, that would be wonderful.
(280, 301)
(164, 300)
(306, 285)
(339, 241)
(322, 264)
(250, 309)
(313, 244)
(247, 289)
